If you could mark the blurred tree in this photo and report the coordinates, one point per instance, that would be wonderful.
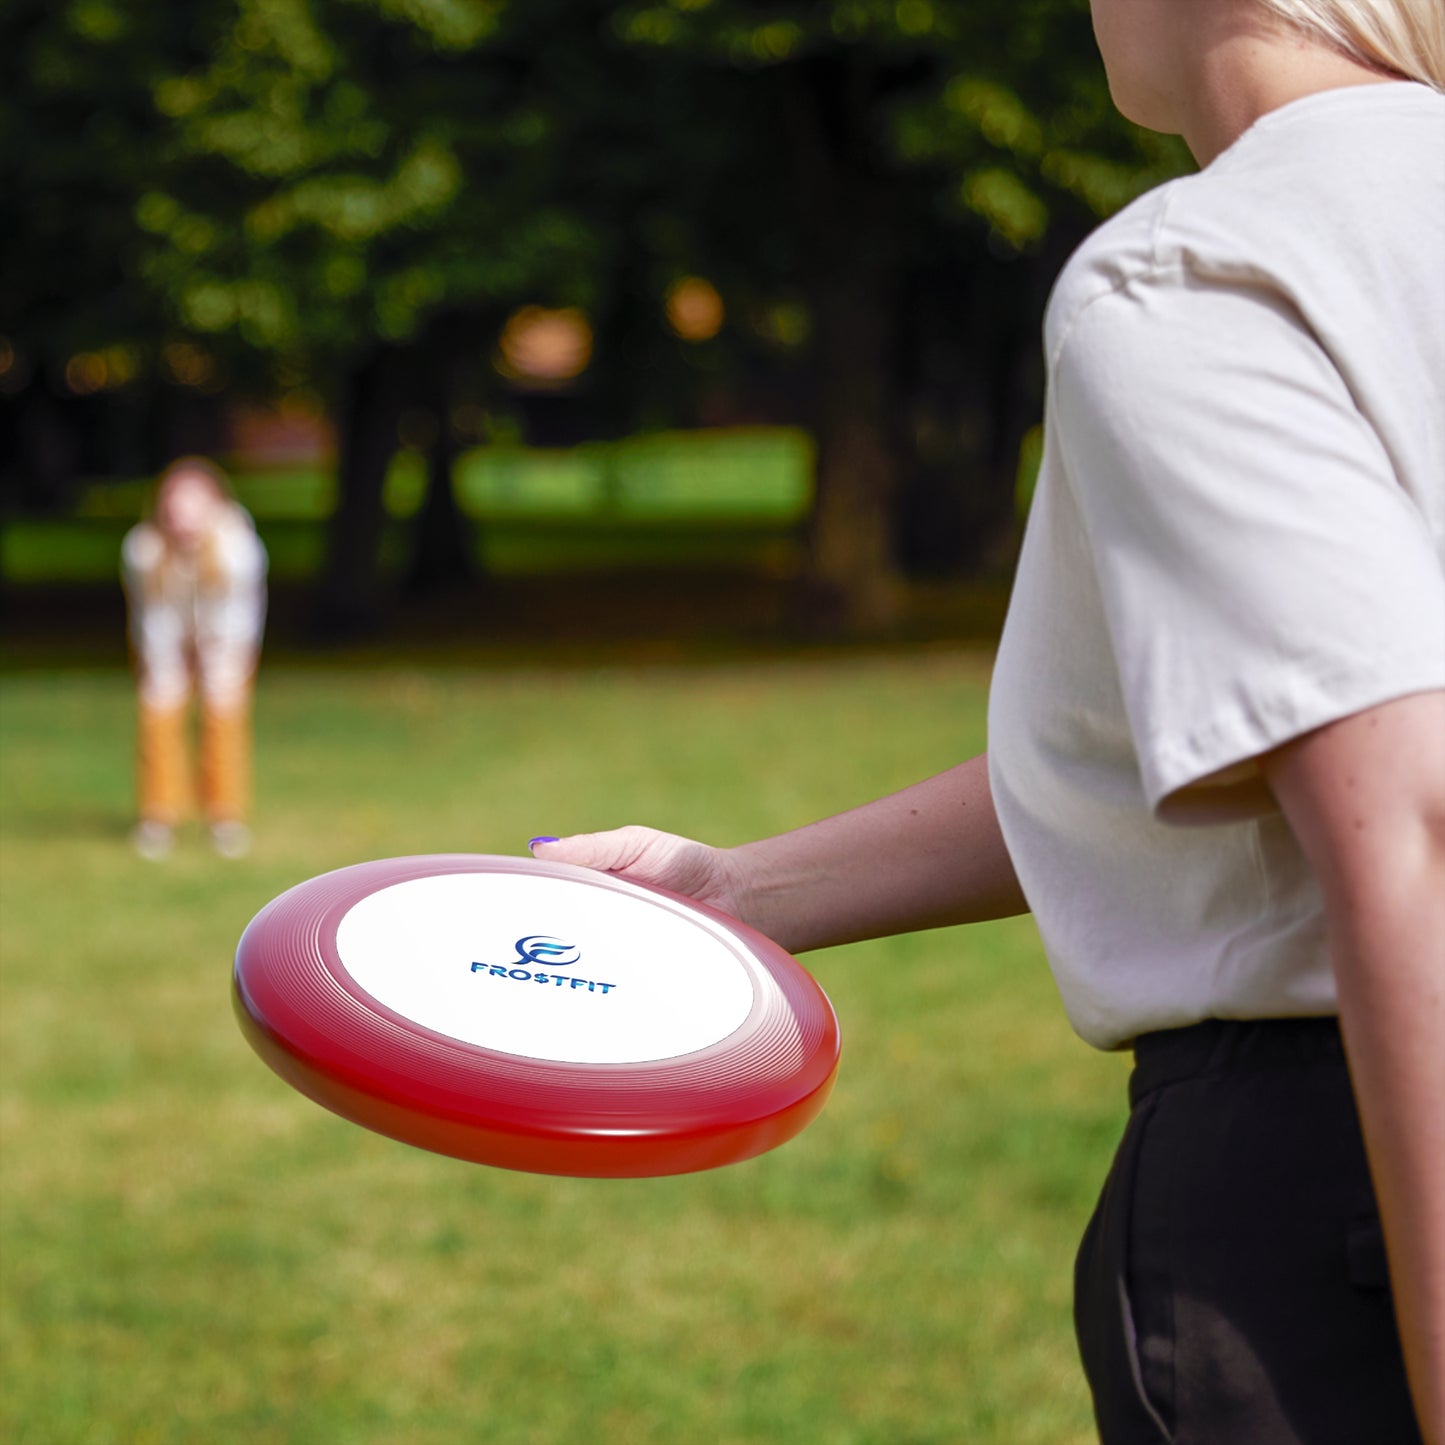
(355, 194)
(919, 168)
(366, 188)
(79, 139)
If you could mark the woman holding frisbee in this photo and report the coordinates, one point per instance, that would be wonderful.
(1217, 734)
(195, 582)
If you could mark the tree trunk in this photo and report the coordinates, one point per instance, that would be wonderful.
(442, 558)
(852, 562)
(349, 600)
(46, 450)
(851, 266)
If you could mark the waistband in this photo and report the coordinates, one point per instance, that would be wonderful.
(1225, 1046)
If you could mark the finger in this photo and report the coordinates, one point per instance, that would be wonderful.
(610, 852)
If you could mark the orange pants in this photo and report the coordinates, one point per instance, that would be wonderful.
(163, 762)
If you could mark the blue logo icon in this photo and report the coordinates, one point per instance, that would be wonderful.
(537, 948)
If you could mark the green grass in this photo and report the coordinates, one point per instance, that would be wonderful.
(193, 1253)
(732, 498)
(762, 473)
(87, 550)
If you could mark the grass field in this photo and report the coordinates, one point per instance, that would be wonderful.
(193, 1253)
(733, 497)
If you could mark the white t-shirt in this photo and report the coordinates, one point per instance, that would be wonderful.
(196, 620)
(1238, 536)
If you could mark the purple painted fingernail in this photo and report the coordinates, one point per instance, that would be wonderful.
(535, 841)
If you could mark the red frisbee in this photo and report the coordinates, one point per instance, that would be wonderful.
(535, 1016)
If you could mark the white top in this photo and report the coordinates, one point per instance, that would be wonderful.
(196, 619)
(1238, 536)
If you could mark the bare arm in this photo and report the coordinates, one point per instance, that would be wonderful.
(927, 857)
(1366, 799)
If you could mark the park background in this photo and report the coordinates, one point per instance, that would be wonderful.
(640, 403)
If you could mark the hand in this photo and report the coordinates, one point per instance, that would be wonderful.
(643, 855)
(928, 857)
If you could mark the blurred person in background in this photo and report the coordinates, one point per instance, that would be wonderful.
(195, 583)
(1216, 767)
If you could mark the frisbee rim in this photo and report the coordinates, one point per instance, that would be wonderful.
(355, 1055)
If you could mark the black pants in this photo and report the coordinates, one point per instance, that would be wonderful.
(1231, 1288)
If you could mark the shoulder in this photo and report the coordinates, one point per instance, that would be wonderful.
(1115, 256)
(237, 542)
(1340, 190)
(143, 549)
(234, 556)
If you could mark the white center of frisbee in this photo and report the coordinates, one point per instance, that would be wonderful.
(547, 967)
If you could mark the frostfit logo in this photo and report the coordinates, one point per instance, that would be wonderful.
(537, 948)
(551, 951)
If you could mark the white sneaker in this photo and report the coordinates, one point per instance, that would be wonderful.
(152, 840)
(231, 839)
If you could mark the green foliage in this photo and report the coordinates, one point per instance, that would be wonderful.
(1004, 106)
(190, 1251)
(79, 140)
(299, 178)
(341, 173)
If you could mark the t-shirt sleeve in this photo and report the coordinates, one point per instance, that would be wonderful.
(1262, 568)
(140, 554)
(234, 616)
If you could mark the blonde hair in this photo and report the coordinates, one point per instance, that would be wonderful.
(1404, 37)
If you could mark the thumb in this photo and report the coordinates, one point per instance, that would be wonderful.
(611, 852)
(647, 856)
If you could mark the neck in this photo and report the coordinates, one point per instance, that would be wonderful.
(1246, 68)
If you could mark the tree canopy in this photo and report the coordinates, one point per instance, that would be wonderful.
(351, 196)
